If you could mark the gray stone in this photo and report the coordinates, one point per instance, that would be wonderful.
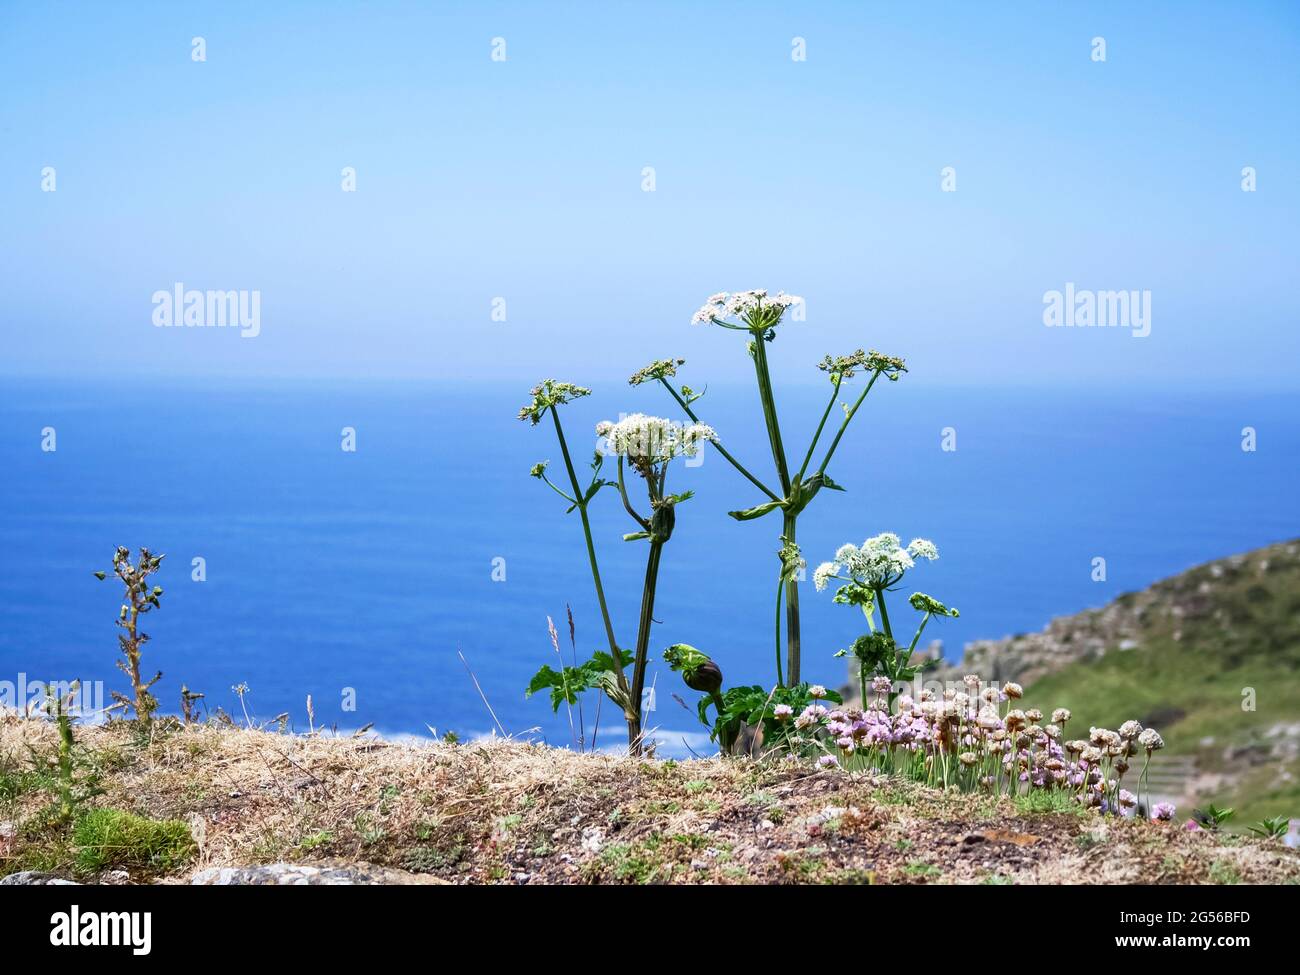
(35, 878)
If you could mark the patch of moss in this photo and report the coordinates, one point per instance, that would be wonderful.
(103, 838)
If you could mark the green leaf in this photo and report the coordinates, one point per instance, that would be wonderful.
(702, 709)
(604, 661)
(758, 511)
(565, 685)
(636, 536)
(828, 483)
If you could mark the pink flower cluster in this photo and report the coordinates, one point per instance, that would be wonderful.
(975, 740)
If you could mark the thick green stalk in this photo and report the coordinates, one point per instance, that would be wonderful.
(780, 594)
(591, 552)
(67, 806)
(769, 411)
(791, 611)
(643, 647)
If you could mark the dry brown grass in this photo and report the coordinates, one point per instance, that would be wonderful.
(507, 811)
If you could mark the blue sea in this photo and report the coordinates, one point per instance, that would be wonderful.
(360, 575)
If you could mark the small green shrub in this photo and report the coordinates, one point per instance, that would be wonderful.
(113, 838)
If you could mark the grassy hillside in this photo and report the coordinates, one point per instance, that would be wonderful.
(1184, 657)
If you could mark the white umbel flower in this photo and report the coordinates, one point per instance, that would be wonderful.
(823, 574)
(745, 305)
(922, 548)
(654, 438)
(881, 560)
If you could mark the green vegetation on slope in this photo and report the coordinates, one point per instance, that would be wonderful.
(1216, 669)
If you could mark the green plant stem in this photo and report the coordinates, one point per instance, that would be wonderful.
(884, 613)
(143, 712)
(845, 425)
(722, 450)
(66, 784)
(769, 410)
(916, 639)
(642, 647)
(835, 393)
(780, 597)
(627, 505)
(791, 610)
(591, 554)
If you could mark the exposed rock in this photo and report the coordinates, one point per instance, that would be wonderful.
(35, 878)
(299, 875)
(1120, 625)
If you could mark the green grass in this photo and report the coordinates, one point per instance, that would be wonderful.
(16, 782)
(918, 868)
(1239, 629)
(104, 838)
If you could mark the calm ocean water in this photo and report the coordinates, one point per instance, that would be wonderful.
(329, 570)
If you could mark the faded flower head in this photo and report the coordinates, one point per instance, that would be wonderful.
(547, 394)
(1150, 740)
(1103, 737)
(756, 309)
(539, 469)
(659, 369)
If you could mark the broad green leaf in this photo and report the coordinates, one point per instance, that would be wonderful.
(758, 511)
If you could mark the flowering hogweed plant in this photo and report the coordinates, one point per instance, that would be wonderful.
(759, 314)
(867, 572)
(644, 447)
(604, 671)
(648, 444)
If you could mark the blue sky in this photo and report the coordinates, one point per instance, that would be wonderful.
(523, 179)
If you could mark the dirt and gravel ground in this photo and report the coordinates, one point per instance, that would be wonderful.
(508, 812)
